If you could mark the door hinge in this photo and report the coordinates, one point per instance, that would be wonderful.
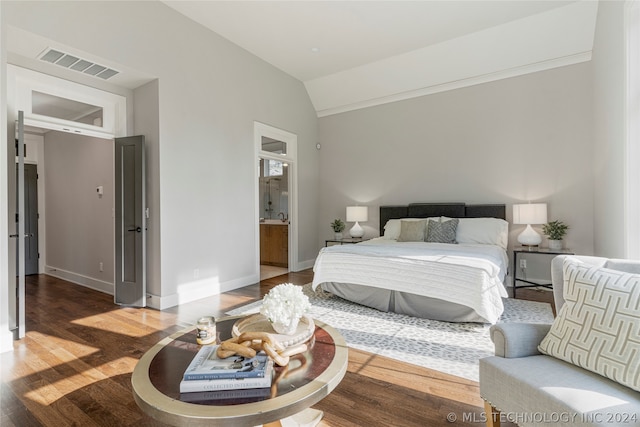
(17, 217)
(38, 255)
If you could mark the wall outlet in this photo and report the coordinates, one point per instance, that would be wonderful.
(196, 273)
(101, 266)
(523, 263)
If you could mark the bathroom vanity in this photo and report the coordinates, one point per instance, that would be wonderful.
(274, 243)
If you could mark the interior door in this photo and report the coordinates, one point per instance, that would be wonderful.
(130, 283)
(16, 215)
(31, 256)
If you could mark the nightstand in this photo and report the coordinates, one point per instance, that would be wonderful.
(346, 241)
(547, 254)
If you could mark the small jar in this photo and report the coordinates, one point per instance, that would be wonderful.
(206, 330)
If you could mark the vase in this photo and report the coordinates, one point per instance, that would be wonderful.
(286, 328)
(555, 245)
(338, 236)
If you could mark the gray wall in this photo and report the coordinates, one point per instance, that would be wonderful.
(609, 129)
(210, 93)
(523, 138)
(79, 224)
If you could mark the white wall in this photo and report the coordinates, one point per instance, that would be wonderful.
(146, 101)
(80, 225)
(523, 138)
(6, 336)
(210, 92)
(609, 129)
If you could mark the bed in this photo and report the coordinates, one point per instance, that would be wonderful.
(458, 281)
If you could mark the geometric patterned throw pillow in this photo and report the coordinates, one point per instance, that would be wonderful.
(442, 232)
(598, 327)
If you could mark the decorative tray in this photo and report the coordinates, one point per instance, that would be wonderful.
(259, 323)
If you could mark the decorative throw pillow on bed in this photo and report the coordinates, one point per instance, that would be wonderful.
(392, 227)
(412, 231)
(442, 232)
(598, 326)
(487, 231)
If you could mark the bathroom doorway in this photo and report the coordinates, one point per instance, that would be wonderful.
(275, 200)
(274, 217)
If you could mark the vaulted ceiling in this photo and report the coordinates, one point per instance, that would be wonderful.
(354, 54)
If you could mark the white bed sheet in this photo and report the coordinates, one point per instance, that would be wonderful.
(467, 274)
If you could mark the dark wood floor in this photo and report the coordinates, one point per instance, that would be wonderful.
(74, 366)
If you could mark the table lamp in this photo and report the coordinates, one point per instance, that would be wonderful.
(530, 213)
(355, 214)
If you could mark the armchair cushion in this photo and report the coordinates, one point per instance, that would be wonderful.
(598, 328)
(542, 390)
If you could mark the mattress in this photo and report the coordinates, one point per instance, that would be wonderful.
(466, 275)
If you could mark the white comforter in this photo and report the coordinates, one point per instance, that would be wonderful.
(467, 274)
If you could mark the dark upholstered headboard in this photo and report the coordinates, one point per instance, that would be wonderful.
(452, 210)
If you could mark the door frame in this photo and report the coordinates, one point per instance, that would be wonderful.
(18, 84)
(291, 157)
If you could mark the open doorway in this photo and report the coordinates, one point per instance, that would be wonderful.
(275, 206)
(76, 125)
(273, 185)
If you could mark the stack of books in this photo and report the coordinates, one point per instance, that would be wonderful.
(208, 373)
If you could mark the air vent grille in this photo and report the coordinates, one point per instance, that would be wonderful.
(77, 64)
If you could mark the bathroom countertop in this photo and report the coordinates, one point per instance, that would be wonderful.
(274, 222)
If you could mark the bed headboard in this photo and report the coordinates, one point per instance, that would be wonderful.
(452, 210)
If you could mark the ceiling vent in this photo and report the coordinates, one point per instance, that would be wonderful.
(78, 64)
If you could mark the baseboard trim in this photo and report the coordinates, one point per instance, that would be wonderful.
(199, 289)
(79, 279)
(303, 265)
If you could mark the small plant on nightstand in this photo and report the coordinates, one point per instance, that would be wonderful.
(555, 231)
(338, 227)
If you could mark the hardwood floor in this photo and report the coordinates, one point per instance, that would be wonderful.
(74, 366)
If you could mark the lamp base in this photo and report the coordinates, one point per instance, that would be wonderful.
(529, 237)
(356, 230)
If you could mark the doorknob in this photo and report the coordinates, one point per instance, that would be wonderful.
(138, 229)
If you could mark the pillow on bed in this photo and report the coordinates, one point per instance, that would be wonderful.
(442, 232)
(412, 231)
(392, 227)
(488, 231)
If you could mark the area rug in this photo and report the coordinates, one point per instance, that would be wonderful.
(452, 348)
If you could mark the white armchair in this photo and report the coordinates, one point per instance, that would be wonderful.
(532, 389)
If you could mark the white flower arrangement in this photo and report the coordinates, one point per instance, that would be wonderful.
(284, 304)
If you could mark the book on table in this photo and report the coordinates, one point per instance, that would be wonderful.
(208, 372)
(246, 395)
(191, 386)
(206, 365)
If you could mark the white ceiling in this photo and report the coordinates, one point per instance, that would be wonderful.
(348, 34)
(356, 54)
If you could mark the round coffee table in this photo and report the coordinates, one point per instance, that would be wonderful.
(307, 379)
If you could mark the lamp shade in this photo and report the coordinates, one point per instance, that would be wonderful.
(530, 213)
(357, 213)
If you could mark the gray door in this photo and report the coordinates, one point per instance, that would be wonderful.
(31, 219)
(17, 224)
(130, 283)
